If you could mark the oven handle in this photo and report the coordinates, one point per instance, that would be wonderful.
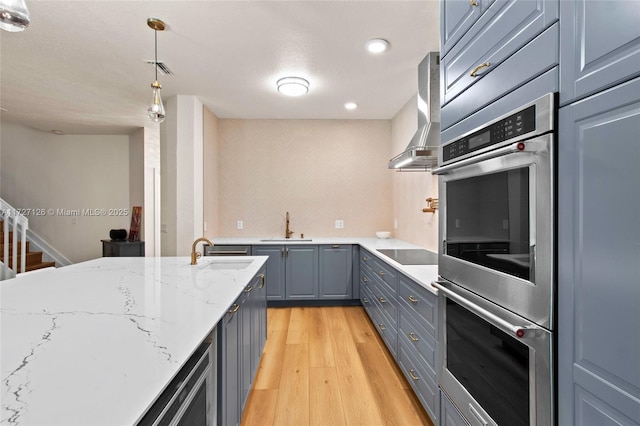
(509, 149)
(517, 330)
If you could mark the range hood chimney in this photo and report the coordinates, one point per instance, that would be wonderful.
(422, 152)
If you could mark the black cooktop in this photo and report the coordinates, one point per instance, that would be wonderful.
(411, 256)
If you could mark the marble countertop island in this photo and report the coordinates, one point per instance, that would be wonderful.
(95, 343)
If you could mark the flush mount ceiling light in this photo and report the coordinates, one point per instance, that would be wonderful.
(351, 105)
(293, 86)
(377, 45)
(14, 15)
(156, 110)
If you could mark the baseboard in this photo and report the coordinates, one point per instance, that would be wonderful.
(312, 303)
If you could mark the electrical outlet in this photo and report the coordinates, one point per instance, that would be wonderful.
(457, 223)
(239, 224)
(339, 224)
(505, 224)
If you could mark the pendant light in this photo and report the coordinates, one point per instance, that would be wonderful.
(14, 15)
(156, 110)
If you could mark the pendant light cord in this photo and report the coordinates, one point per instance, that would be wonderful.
(155, 63)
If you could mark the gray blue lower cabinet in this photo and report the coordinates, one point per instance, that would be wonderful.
(405, 314)
(241, 337)
(335, 271)
(301, 272)
(449, 414)
(275, 270)
(598, 257)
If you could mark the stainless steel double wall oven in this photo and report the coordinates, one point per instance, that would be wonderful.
(497, 268)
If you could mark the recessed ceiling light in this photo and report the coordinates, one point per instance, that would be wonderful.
(351, 105)
(377, 45)
(57, 132)
(293, 86)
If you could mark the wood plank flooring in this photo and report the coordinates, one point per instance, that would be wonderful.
(328, 366)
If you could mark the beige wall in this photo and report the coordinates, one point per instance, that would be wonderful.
(410, 189)
(210, 178)
(318, 170)
(45, 171)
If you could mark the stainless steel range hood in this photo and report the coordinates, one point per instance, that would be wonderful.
(422, 152)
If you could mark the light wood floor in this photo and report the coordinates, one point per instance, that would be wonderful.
(328, 366)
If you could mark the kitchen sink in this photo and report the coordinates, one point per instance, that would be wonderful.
(227, 264)
(286, 240)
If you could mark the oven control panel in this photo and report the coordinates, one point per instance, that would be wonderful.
(513, 126)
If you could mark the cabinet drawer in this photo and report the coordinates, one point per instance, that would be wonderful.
(417, 340)
(423, 384)
(456, 17)
(502, 30)
(366, 258)
(386, 274)
(387, 303)
(366, 298)
(366, 279)
(386, 329)
(535, 58)
(420, 303)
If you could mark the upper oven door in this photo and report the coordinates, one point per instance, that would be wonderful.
(496, 226)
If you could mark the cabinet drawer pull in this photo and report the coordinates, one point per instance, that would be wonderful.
(248, 289)
(382, 300)
(365, 258)
(412, 299)
(413, 376)
(365, 300)
(474, 73)
(262, 277)
(365, 280)
(234, 308)
(335, 246)
(473, 3)
(382, 327)
(413, 337)
(381, 273)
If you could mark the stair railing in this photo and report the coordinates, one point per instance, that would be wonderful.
(13, 220)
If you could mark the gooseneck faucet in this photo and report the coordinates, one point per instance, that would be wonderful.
(194, 254)
(287, 231)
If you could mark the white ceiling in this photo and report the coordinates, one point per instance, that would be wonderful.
(79, 67)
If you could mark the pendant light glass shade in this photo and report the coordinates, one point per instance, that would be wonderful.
(156, 110)
(14, 15)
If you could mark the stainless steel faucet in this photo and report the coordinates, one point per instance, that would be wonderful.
(287, 231)
(194, 254)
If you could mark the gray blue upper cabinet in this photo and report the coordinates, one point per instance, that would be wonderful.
(456, 17)
(505, 27)
(512, 43)
(600, 44)
(599, 257)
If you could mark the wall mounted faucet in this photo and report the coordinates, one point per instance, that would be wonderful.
(287, 232)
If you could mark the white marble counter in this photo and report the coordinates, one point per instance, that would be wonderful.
(422, 274)
(95, 343)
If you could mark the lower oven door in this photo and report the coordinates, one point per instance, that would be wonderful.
(495, 366)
